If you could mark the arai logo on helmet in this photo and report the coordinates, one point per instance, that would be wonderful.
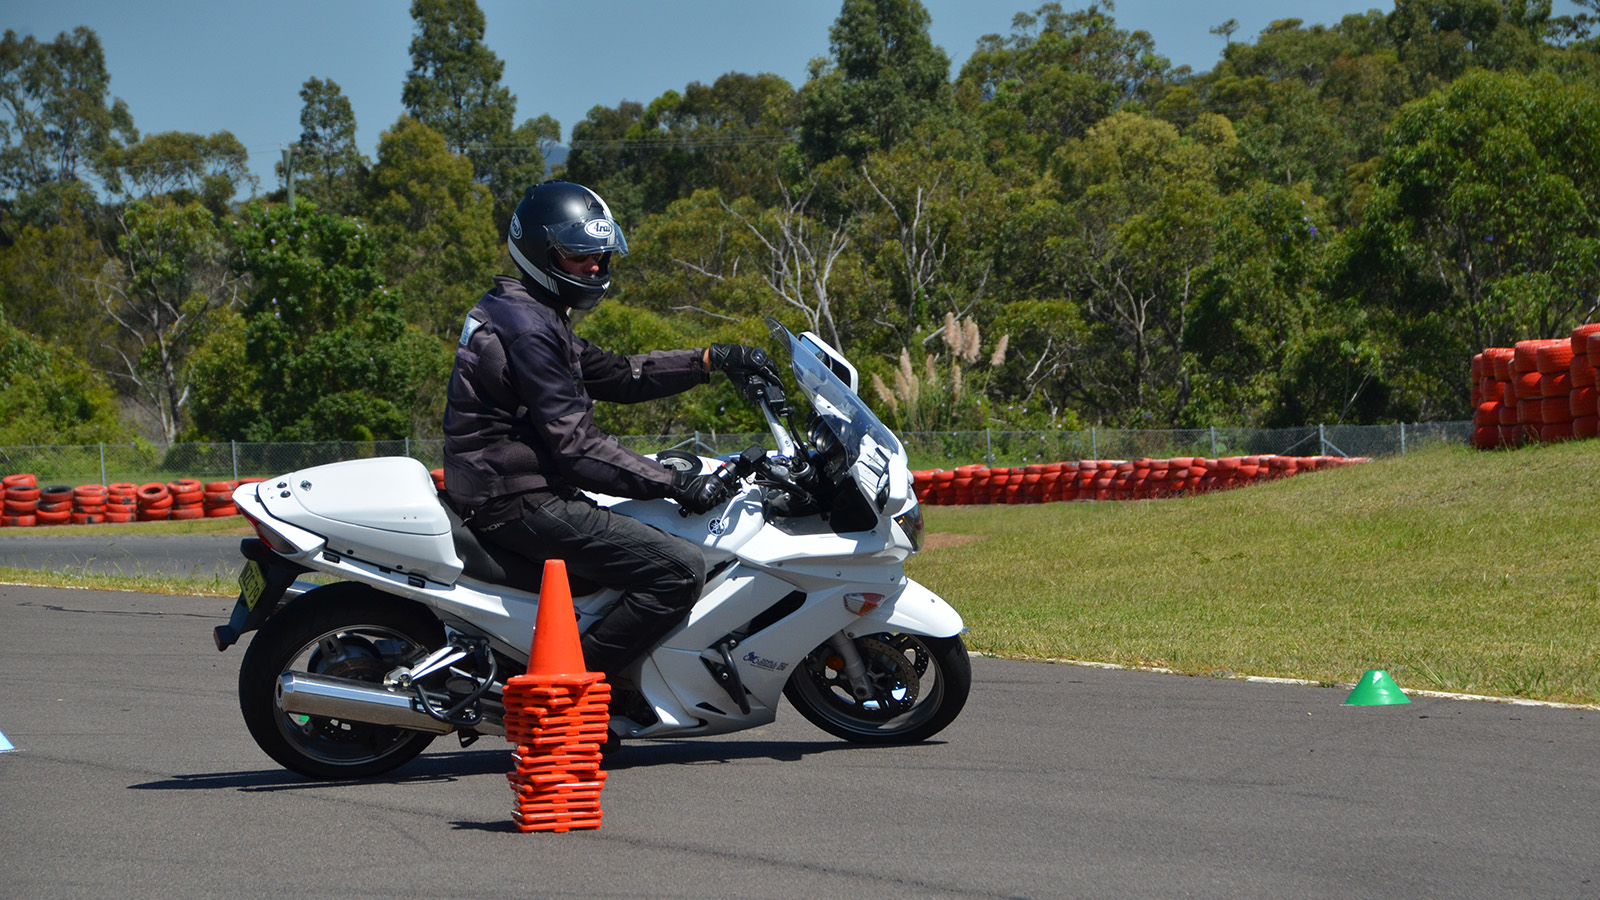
(516, 228)
(597, 228)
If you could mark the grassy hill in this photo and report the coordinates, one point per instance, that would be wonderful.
(1453, 569)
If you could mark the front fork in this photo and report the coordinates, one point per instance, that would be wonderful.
(855, 671)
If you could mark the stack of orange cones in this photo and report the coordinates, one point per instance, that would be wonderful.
(556, 715)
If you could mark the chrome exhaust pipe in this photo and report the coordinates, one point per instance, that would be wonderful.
(357, 701)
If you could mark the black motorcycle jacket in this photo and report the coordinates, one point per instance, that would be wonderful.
(519, 410)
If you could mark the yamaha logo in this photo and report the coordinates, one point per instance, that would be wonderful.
(516, 228)
(599, 228)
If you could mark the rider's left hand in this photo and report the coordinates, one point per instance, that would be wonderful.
(740, 362)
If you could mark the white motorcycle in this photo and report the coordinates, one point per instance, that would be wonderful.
(805, 596)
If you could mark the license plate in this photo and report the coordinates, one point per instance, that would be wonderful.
(251, 584)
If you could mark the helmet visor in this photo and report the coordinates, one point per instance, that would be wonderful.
(582, 238)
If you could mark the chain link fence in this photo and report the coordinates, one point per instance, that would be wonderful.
(140, 463)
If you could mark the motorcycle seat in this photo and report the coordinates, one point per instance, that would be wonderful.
(497, 565)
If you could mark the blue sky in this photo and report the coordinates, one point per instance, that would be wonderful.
(205, 66)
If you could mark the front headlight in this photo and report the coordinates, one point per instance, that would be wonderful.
(911, 523)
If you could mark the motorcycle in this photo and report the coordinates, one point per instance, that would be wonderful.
(416, 624)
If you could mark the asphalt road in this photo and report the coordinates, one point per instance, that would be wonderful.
(133, 776)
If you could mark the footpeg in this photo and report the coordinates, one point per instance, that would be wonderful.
(727, 675)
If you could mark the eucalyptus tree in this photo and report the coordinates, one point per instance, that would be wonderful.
(882, 77)
(454, 88)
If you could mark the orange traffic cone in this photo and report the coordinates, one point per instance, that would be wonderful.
(556, 715)
(556, 651)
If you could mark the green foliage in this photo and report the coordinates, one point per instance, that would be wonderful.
(883, 77)
(454, 88)
(433, 226)
(719, 136)
(1481, 228)
(320, 351)
(1323, 228)
(56, 119)
(180, 167)
(47, 396)
(171, 277)
(329, 169)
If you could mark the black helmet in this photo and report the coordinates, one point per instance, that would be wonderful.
(559, 216)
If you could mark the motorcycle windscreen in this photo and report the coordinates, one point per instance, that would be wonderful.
(875, 456)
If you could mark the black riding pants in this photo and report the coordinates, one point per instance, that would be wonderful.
(660, 575)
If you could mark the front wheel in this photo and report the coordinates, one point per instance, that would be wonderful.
(345, 631)
(918, 686)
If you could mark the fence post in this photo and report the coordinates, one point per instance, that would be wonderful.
(408, 445)
(103, 463)
(233, 447)
(1094, 444)
(1322, 441)
(1402, 439)
(988, 447)
(1213, 442)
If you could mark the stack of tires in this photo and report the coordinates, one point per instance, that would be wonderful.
(1546, 390)
(218, 499)
(122, 502)
(1585, 399)
(188, 499)
(21, 501)
(155, 502)
(89, 504)
(1494, 409)
(55, 505)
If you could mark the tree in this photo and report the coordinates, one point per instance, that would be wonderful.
(1439, 39)
(1134, 233)
(46, 283)
(1057, 74)
(928, 216)
(48, 395)
(56, 118)
(883, 77)
(433, 225)
(171, 279)
(330, 169)
(722, 135)
(454, 88)
(319, 351)
(181, 167)
(1481, 228)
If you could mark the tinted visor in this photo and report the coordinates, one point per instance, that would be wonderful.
(581, 238)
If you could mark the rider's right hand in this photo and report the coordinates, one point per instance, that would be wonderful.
(699, 494)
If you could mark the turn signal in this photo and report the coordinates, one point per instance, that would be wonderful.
(861, 604)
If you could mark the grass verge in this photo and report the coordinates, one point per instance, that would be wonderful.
(1452, 569)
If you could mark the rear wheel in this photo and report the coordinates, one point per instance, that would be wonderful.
(918, 686)
(344, 631)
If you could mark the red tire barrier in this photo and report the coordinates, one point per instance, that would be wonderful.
(18, 521)
(21, 479)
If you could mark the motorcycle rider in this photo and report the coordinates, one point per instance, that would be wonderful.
(520, 438)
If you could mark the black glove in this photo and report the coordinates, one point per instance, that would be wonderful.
(740, 362)
(698, 494)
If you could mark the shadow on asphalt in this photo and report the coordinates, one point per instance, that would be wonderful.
(447, 767)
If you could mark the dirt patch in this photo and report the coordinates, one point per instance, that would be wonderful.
(941, 541)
